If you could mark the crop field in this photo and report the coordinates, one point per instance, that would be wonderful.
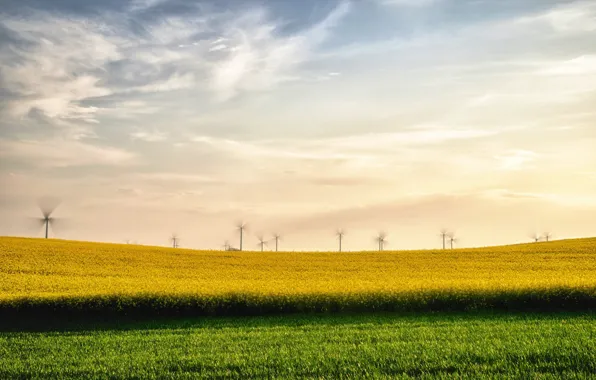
(470, 346)
(88, 310)
(65, 276)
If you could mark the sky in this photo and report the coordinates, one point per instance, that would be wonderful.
(153, 117)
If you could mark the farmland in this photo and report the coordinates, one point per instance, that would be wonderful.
(341, 346)
(78, 276)
(88, 310)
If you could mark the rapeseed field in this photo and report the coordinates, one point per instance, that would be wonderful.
(39, 274)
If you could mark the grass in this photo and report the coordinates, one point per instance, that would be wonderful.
(476, 345)
(55, 277)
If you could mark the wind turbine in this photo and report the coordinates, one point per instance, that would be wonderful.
(226, 246)
(340, 235)
(241, 226)
(452, 239)
(277, 238)
(536, 237)
(547, 236)
(444, 235)
(381, 239)
(262, 242)
(175, 240)
(47, 207)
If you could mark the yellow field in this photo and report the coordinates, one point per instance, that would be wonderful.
(37, 269)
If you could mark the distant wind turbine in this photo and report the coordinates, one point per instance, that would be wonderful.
(276, 238)
(444, 235)
(535, 237)
(381, 240)
(262, 242)
(241, 226)
(547, 236)
(47, 207)
(175, 240)
(452, 239)
(340, 235)
(226, 246)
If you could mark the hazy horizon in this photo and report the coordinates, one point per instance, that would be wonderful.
(148, 117)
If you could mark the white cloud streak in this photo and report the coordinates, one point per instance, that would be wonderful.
(358, 147)
(149, 136)
(64, 153)
(576, 17)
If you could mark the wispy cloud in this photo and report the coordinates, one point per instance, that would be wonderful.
(149, 136)
(517, 159)
(257, 57)
(574, 17)
(582, 65)
(64, 153)
(357, 146)
(176, 177)
(408, 3)
(55, 65)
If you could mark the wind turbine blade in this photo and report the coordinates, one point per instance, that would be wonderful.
(33, 225)
(34, 222)
(58, 224)
(47, 205)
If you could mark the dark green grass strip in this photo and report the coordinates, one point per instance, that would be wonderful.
(472, 346)
(560, 299)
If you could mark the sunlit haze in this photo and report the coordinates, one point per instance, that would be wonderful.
(150, 117)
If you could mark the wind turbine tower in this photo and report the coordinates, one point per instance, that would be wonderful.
(175, 240)
(381, 240)
(241, 228)
(340, 235)
(276, 237)
(452, 240)
(444, 235)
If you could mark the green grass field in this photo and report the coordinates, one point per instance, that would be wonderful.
(318, 346)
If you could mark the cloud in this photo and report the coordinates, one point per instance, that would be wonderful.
(129, 109)
(570, 200)
(258, 58)
(572, 18)
(64, 153)
(517, 159)
(582, 65)
(346, 181)
(218, 47)
(62, 65)
(53, 67)
(438, 210)
(142, 5)
(408, 3)
(355, 147)
(177, 177)
(175, 82)
(149, 136)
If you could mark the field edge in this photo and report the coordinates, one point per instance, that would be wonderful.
(239, 304)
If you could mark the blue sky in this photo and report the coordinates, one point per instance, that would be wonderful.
(301, 117)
